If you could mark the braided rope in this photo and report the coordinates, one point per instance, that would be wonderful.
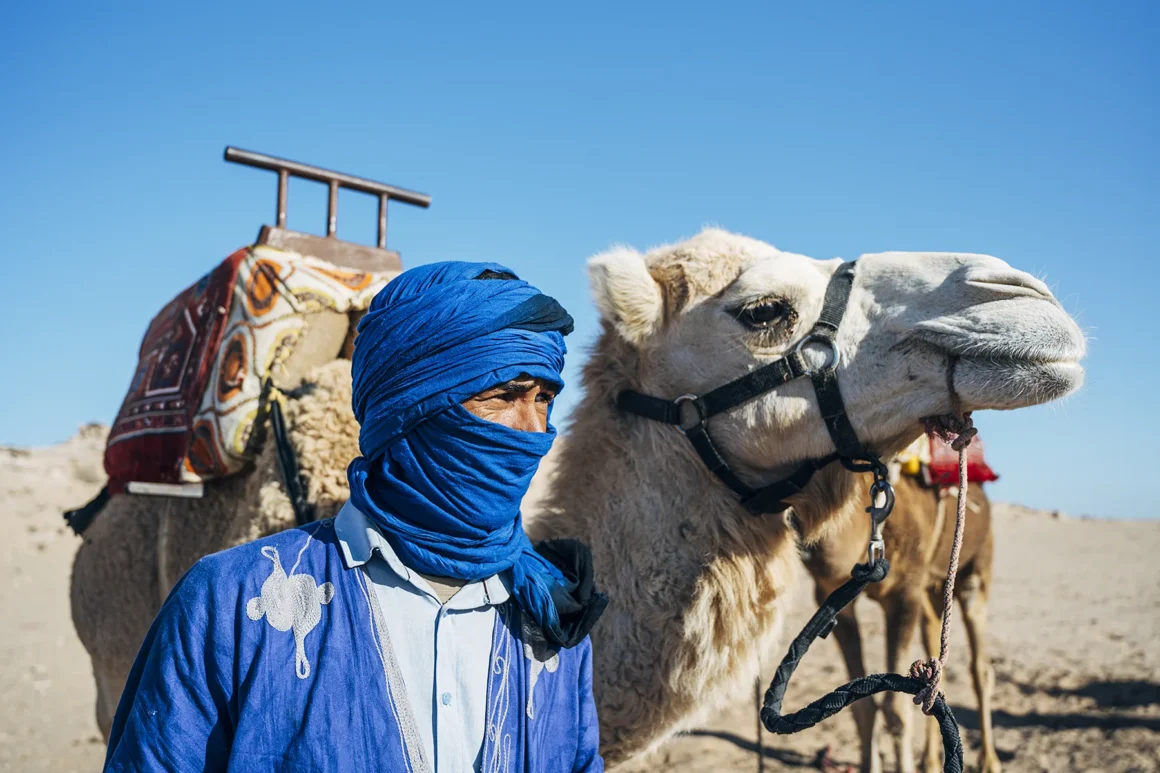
(930, 671)
(820, 625)
(925, 676)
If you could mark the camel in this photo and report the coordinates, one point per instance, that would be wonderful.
(918, 538)
(698, 585)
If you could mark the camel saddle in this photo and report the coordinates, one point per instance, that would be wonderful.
(934, 461)
(210, 357)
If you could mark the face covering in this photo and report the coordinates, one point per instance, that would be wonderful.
(443, 485)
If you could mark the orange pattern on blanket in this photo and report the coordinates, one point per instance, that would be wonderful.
(262, 289)
(232, 369)
(202, 458)
(349, 279)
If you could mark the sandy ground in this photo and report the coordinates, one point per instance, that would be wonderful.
(1075, 634)
(46, 684)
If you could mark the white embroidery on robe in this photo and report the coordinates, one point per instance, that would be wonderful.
(542, 656)
(291, 603)
(498, 699)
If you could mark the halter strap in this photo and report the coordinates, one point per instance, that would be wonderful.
(825, 381)
(792, 366)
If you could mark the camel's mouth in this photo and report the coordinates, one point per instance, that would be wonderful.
(1009, 354)
(1004, 383)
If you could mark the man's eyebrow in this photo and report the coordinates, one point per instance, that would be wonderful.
(518, 387)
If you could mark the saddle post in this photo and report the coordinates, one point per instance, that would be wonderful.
(332, 211)
(329, 247)
(382, 236)
(283, 182)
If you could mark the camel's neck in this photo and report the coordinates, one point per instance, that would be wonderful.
(621, 485)
(690, 574)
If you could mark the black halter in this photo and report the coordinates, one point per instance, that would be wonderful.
(850, 452)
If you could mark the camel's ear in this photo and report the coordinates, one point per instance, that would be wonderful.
(626, 293)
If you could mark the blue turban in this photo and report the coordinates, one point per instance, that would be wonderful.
(443, 485)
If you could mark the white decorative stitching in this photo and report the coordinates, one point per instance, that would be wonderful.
(499, 699)
(404, 717)
(382, 659)
(291, 602)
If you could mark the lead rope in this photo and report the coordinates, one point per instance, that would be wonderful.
(760, 728)
(930, 671)
(925, 676)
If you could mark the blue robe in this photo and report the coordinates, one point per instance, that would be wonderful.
(273, 656)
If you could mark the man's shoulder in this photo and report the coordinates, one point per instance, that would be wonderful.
(299, 550)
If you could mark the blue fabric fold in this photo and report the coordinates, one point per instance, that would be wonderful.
(443, 485)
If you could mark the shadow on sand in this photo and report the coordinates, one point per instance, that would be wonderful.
(1129, 694)
(1108, 695)
(784, 756)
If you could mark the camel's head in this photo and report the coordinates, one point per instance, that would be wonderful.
(684, 319)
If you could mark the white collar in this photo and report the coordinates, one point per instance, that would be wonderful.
(360, 539)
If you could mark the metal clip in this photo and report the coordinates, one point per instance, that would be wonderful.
(695, 401)
(881, 489)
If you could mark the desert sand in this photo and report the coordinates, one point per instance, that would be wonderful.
(1075, 635)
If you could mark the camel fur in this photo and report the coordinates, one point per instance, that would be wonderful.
(698, 585)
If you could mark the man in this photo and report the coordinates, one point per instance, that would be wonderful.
(418, 630)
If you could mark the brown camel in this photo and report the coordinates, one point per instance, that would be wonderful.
(918, 538)
(698, 584)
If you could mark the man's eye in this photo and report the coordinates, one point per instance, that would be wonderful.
(762, 315)
(544, 397)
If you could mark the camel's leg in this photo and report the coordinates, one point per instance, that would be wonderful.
(165, 581)
(902, 615)
(931, 639)
(106, 704)
(850, 643)
(110, 677)
(973, 597)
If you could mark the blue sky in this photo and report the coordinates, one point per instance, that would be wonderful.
(545, 134)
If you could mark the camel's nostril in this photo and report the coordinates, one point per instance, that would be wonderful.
(1009, 284)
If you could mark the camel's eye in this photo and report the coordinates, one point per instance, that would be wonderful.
(760, 316)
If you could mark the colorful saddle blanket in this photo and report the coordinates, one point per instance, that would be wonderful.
(206, 358)
(933, 459)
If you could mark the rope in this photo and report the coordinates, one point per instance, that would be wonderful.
(940, 519)
(760, 727)
(288, 461)
(925, 676)
(819, 626)
(930, 671)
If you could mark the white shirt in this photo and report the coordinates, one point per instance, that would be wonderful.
(443, 650)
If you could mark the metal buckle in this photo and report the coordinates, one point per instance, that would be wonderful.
(694, 401)
(820, 338)
(876, 546)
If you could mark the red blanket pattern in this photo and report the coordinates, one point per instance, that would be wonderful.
(944, 463)
(150, 436)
